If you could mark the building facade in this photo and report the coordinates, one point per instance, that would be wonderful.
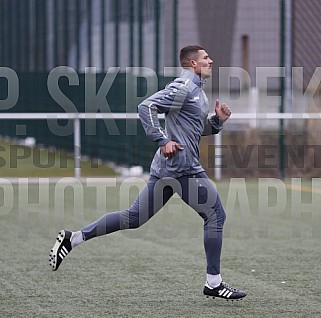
(243, 37)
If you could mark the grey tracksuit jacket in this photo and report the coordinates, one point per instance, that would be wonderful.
(186, 108)
(186, 118)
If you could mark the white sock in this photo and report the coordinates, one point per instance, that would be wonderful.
(214, 280)
(76, 238)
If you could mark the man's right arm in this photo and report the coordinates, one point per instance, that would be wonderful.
(148, 114)
(165, 101)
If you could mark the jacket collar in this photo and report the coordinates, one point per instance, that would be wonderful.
(193, 77)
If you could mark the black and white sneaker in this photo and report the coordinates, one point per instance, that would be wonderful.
(223, 291)
(61, 249)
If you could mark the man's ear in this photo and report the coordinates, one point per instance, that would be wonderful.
(192, 63)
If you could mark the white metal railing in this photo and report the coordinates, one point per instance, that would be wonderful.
(77, 117)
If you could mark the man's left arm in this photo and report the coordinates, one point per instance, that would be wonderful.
(214, 124)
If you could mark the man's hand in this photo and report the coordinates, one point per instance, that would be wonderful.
(169, 150)
(223, 112)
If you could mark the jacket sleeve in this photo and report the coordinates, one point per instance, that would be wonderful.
(148, 114)
(212, 126)
(168, 100)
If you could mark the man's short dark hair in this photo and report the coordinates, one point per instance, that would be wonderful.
(187, 53)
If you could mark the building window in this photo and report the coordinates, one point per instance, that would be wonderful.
(245, 52)
(119, 10)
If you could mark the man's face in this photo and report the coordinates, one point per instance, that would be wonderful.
(203, 64)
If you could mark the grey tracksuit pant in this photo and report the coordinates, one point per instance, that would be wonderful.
(196, 190)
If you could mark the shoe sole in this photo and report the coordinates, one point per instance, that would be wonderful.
(238, 299)
(53, 255)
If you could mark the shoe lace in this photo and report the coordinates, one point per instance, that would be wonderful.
(229, 288)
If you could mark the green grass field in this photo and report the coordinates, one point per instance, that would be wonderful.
(271, 249)
(20, 161)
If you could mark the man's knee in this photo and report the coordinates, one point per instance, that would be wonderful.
(214, 218)
(132, 219)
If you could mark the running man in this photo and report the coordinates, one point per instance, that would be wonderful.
(174, 169)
